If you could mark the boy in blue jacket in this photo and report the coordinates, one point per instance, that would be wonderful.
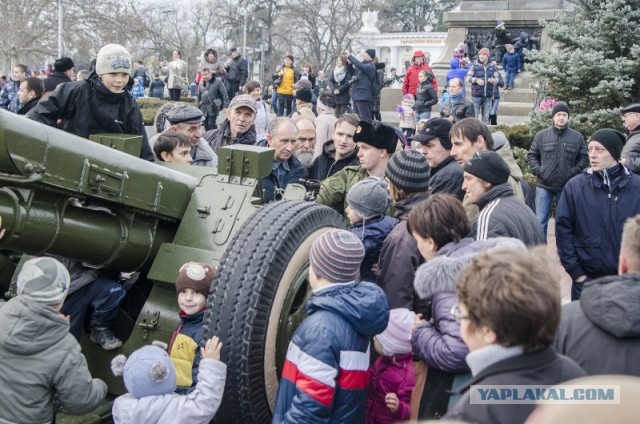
(511, 64)
(194, 282)
(368, 200)
(324, 378)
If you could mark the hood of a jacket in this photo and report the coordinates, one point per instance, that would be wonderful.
(28, 327)
(455, 63)
(363, 305)
(506, 153)
(612, 303)
(439, 275)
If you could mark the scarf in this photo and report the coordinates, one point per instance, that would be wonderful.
(455, 99)
(339, 73)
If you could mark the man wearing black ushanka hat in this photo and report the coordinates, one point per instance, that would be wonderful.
(62, 72)
(376, 143)
(592, 210)
(502, 214)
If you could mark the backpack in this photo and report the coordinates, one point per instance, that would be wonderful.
(146, 81)
(376, 84)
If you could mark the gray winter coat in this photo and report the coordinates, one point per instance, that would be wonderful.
(197, 407)
(40, 359)
(631, 151)
(504, 215)
(601, 331)
(556, 156)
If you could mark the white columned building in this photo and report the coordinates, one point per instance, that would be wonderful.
(396, 48)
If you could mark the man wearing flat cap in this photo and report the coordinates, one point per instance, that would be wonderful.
(62, 72)
(376, 143)
(592, 210)
(238, 127)
(434, 143)
(187, 120)
(631, 151)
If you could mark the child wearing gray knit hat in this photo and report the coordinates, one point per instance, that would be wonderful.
(368, 200)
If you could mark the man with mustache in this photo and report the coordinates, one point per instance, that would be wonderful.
(304, 147)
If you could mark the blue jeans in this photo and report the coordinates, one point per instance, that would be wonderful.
(494, 106)
(482, 105)
(422, 116)
(511, 76)
(544, 200)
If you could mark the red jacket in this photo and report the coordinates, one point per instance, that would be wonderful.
(390, 374)
(411, 81)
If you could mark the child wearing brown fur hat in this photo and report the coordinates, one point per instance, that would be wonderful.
(192, 286)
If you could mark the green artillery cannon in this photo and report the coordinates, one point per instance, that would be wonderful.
(64, 195)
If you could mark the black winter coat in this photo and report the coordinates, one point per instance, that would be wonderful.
(447, 178)
(556, 156)
(54, 80)
(375, 101)
(88, 107)
(426, 97)
(463, 109)
(540, 367)
(606, 316)
(343, 98)
(502, 214)
(365, 74)
(212, 97)
(325, 165)
(238, 71)
(156, 88)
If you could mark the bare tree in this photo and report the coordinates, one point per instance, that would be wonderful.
(319, 29)
(412, 15)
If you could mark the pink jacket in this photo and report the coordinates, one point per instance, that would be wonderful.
(390, 374)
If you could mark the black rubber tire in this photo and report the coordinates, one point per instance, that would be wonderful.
(243, 302)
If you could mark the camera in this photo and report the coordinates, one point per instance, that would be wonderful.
(353, 80)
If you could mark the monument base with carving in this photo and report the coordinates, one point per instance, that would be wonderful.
(474, 23)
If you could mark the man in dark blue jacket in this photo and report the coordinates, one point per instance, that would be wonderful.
(361, 92)
(592, 210)
(282, 136)
(324, 377)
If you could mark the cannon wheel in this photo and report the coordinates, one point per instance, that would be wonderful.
(257, 301)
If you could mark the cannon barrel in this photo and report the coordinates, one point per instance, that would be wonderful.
(134, 205)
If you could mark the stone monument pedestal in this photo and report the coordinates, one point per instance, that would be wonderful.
(475, 21)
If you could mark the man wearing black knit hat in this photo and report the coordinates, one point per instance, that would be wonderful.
(592, 210)
(502, 214)
(376, 143)
(556, 155)
(62, 72)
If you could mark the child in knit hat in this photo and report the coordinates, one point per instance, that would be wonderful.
(192, 286)
(150, 379)
(391, 379)
(324, 377)
(102, 103)
(407, 116)
(368, 200)
(40, 358)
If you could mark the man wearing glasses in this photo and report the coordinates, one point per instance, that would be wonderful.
(631, 151)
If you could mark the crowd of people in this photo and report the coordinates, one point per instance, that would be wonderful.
(444, 268)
